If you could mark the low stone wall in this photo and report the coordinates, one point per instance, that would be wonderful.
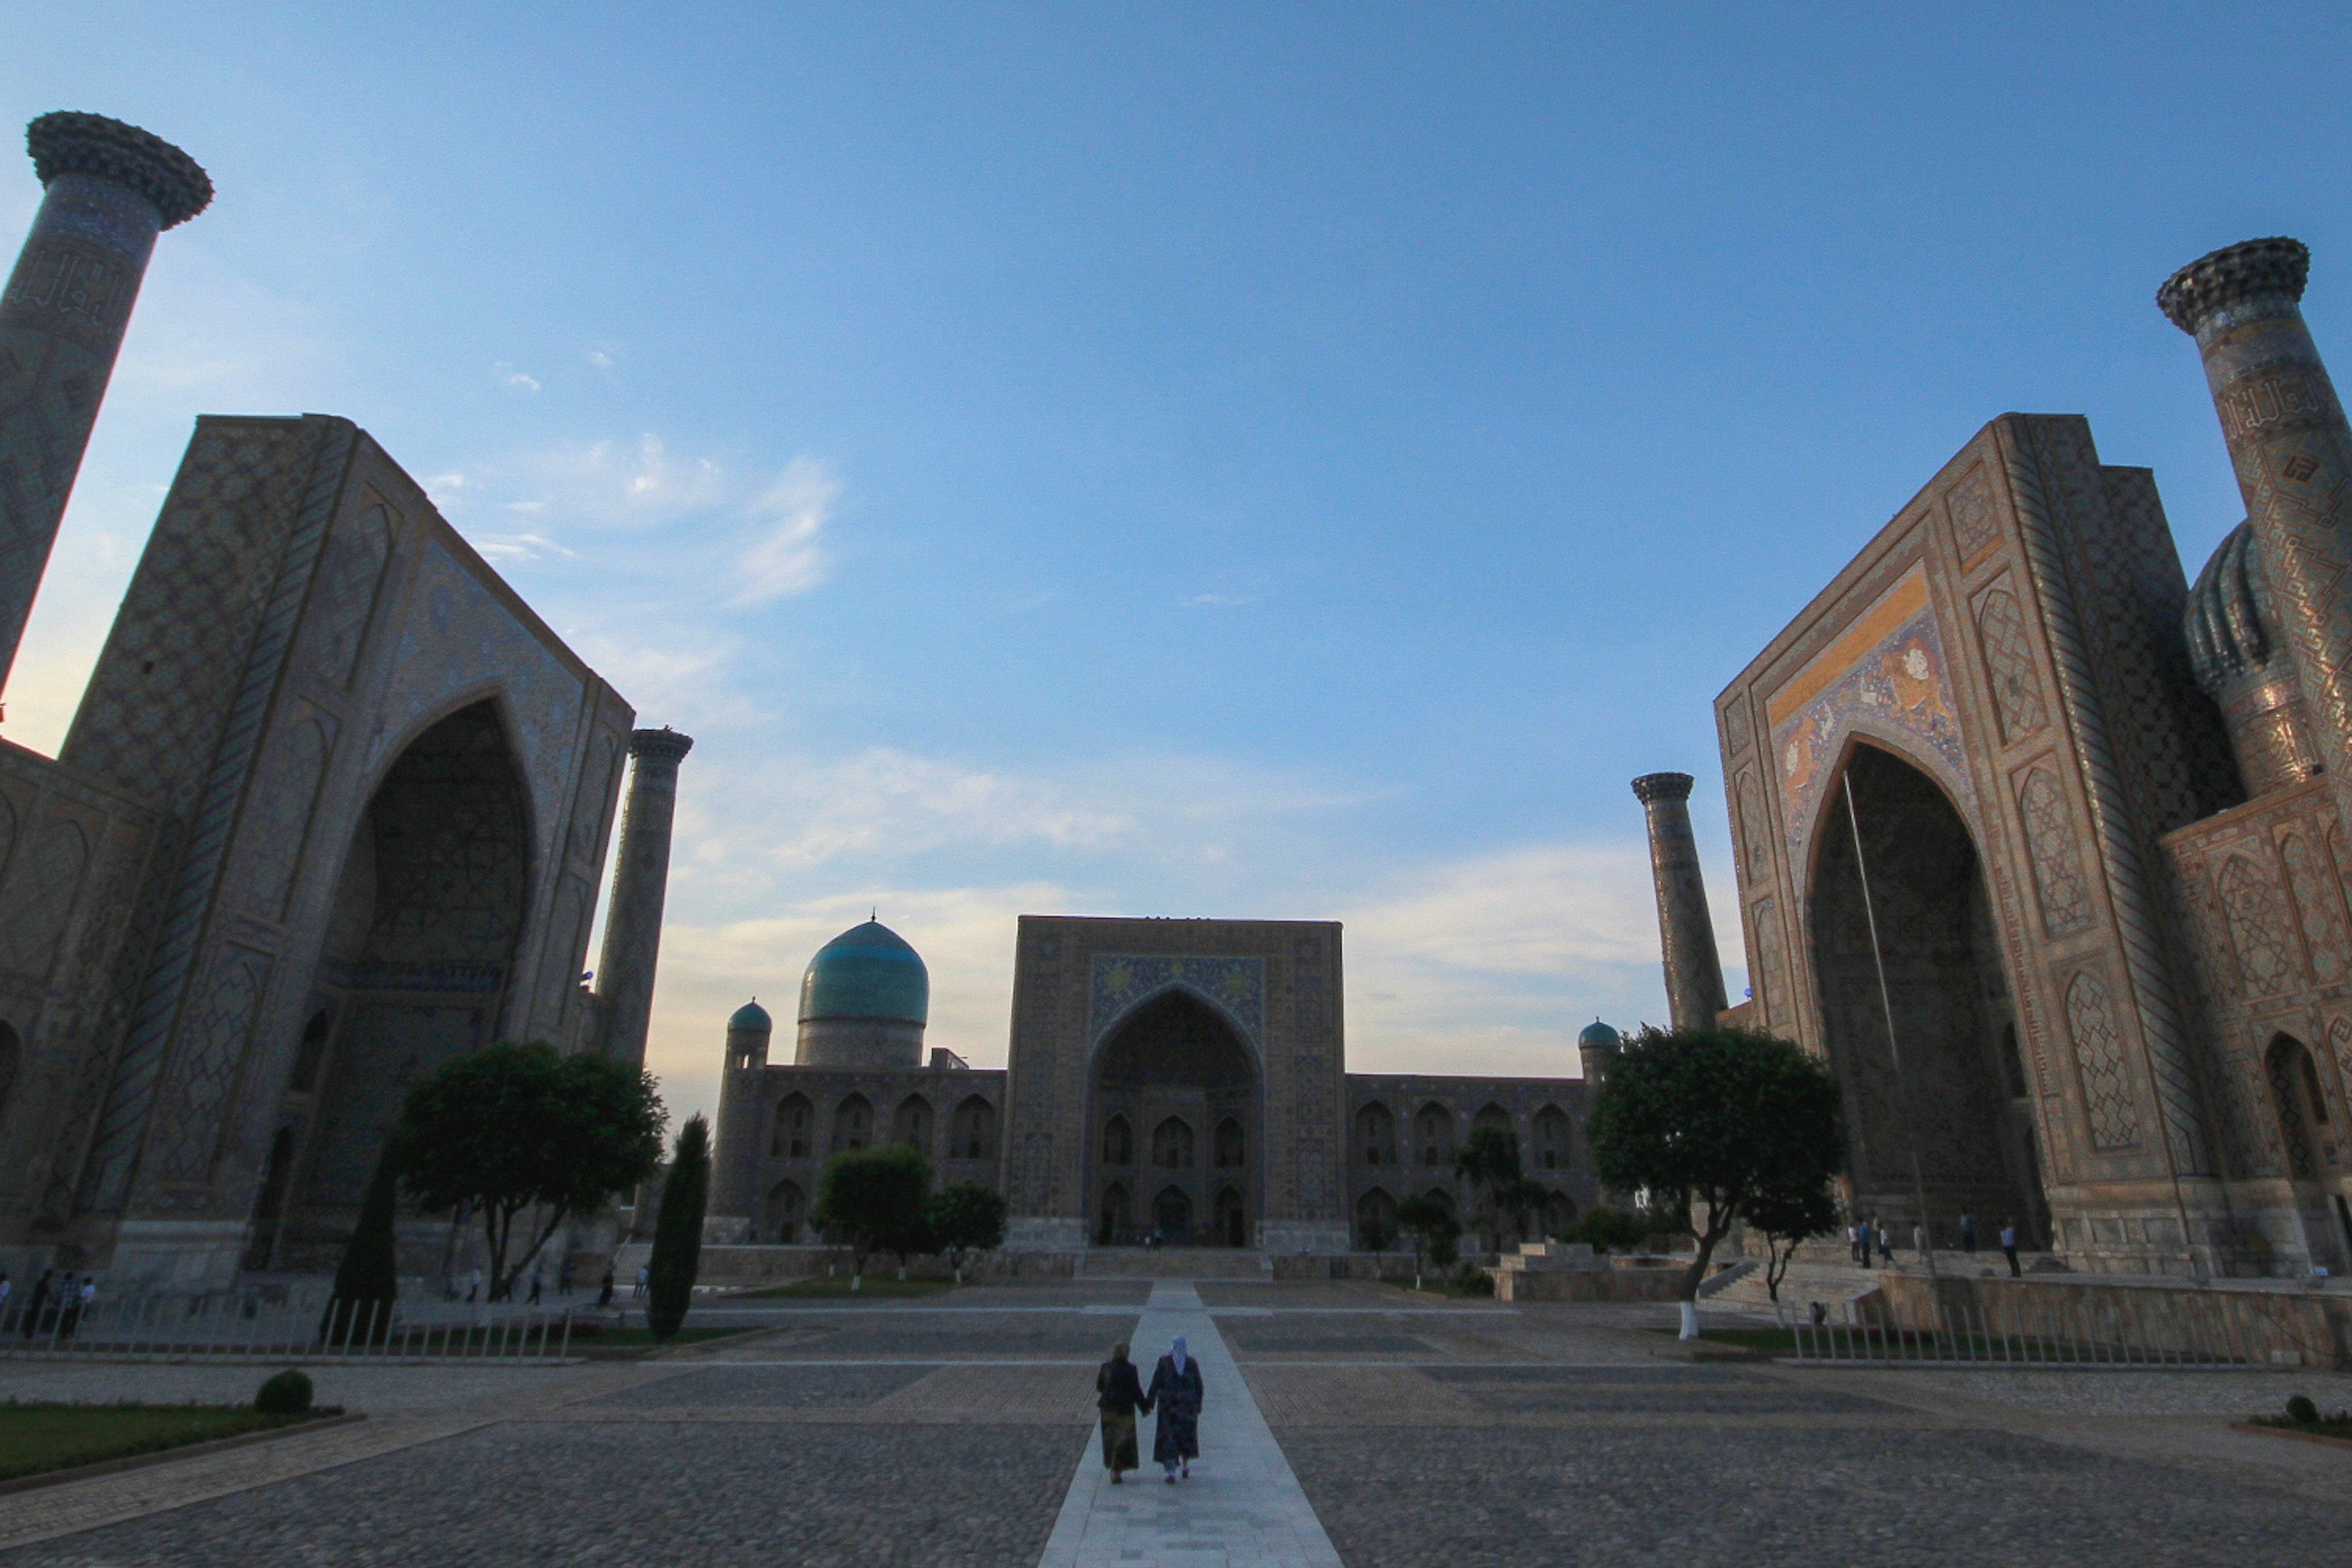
(727, 1267)
(1622, 1282)
(2266, 1326)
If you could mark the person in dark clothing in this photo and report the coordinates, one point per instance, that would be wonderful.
(1176, 1389)
(605, 1294)
(1119, 1394)
(1968, 1233)
(40, 1299)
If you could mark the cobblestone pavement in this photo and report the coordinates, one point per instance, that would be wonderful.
(653, 1493)
(1418, 1430)
(1406, 1499)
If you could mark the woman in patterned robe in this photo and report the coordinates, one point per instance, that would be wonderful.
(1176, 1389)
(1119, 1394)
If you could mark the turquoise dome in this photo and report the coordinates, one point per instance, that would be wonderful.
(867, 972)
(1597, 1033)
(751, 1016)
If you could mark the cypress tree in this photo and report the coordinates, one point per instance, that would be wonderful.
(678, 1232)
(367, 1281)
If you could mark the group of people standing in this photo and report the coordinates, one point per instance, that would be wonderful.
(1175, 1392)
(1864, 1235)
(57, 1306)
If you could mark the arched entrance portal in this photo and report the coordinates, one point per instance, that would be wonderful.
(419, 950)
(1177, 1072)
(1968, 1118)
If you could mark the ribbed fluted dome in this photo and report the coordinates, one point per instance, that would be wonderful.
(2233, 628)
(867, 972)
(752, 1016)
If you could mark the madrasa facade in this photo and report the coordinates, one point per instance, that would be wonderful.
(333, 808)
(2046, 845)
(1175, 1081)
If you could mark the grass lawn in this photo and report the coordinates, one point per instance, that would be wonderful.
(836, 1286)
(1774, 1341)
(37, 1438)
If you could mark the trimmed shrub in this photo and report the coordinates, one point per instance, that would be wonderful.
(2302, 1411)
(284, 1394)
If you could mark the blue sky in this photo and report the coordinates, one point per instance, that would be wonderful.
(1270, 460)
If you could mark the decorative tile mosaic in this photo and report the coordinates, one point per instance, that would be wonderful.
(1235, 987)
(2315, 899)
(2056, 858)
(2099, 1056)
(1901, 684)
(2251, 907)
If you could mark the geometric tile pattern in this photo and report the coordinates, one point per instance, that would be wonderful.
(214, 1038)
(2016, 686)
(2316, 900)
(2057, 859)
(43, 896)
(2250, 908)
(347, 590)
(1234, 986)
(1973, 524)
(2099, 1057)
(279, 815)
(2284, 1068)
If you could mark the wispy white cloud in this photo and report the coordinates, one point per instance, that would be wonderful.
(601, 359)
(517, 381)
(1218, 600)
(786, 553)
(501, 548)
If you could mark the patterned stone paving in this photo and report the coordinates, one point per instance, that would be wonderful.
(1538, 1435)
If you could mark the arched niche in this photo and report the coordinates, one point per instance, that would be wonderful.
(419, 954)
(1179, 1074)
(1936, 1086)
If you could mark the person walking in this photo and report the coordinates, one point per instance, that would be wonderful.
(1885, 1247)
(1119, 1394)
(1968, 1231)
(1853, 1243)
(639, 1293)
(537, 1278)
(1177, 1390)
(2009, 1246)
(1919, 1240)
(604, 1295)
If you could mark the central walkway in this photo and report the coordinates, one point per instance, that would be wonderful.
(1242, 1508)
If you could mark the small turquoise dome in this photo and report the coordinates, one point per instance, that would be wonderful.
(751, 1016)
(1597, 1033)
(867, 972)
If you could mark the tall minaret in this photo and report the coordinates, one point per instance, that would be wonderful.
(110, 189)
(624, 974)
(2293, 451)
(1685, 929)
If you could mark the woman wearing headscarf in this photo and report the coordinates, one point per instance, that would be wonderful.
(1119, 1394)
(1176, 1390)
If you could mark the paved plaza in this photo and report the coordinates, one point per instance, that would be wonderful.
(1346, 1424)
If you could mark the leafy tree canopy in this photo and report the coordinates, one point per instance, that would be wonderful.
(966, 1217)
(874, 1200)
(517, 1126)
(1721, 1118)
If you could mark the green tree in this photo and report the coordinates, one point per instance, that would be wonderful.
(1433, 1229)
(367, 1281)
(515, 1127)
(1786, 1218)
(872, 1200)
(1718, 1118)
(1604, 1228)
(1522, 1199)
(967, 1217)
(1489, 1160)
(678, 1232)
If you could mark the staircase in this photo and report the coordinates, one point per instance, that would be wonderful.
(1173, 1263)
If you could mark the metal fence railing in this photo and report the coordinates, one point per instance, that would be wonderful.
(253, 1325)
(2168, 1329)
